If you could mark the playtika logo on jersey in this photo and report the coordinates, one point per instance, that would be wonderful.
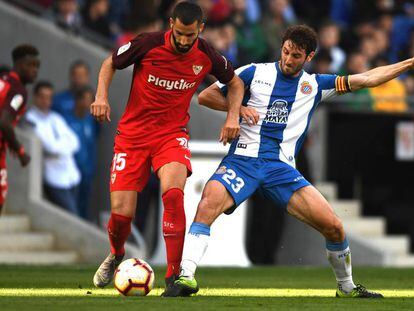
(170, 84)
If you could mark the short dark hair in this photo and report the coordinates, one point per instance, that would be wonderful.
(23, 50)
(40, 85)
(188, 12)
(82, 91)
(79, 63)
(302, 36)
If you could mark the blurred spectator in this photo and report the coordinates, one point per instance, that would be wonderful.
(322, 61)
(86, 129)
(95, 17)
(135, 27)
(360, 99)
(118, 13)
(274, 25)
(389, 96)
(217, 11)
(369, 48)
(253, 11)
(65, 14)
(341, 12)
(382, 41)
(401, 31)
(79, 77)
(329, 37)
(250, 36)
(409, 86)
(223, 38)
(61, 176)
(312, 13)
(44, 3)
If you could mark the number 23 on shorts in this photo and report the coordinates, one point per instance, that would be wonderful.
(230, 177)
(119, 162)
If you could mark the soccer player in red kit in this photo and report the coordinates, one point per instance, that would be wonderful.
(168, 68)
(13, 97)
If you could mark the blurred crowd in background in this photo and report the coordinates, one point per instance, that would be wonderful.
(354, 36)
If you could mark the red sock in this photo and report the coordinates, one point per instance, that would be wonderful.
(173, 228)
(119, 228)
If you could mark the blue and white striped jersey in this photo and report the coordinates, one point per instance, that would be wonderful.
(285, 106)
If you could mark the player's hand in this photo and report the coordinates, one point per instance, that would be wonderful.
(101, 110)
(24, 159)
(230, 130)
(250, 115)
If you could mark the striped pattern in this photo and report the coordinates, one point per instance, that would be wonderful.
(285, 108)
(342, 85)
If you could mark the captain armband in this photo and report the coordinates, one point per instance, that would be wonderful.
(342, 85)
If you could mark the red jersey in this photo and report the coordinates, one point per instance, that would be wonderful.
(13, 97)
(164, 82)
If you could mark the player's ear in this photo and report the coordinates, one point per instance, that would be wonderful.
(171, 22)
(201, 27)
(310, 56)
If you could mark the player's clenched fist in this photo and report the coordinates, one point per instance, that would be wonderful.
(230, 130)
(101, 110)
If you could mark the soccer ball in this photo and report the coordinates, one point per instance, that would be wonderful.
(134, 277)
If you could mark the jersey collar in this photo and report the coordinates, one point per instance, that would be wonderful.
(279, 72)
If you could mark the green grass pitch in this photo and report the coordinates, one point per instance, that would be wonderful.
(260, 288)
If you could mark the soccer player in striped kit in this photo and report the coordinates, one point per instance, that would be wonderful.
(168, 68)
(279, 101)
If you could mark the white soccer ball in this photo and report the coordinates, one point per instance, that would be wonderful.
(134, 277)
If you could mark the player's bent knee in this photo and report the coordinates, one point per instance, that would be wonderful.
(123, 206)
(334, 231)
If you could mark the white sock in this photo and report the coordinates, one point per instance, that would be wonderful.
(195, 246)
(339, 256)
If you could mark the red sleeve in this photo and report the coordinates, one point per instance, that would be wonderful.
(221, 68)
(15, 101)
(134, 51)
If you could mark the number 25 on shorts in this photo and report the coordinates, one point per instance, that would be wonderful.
(236, 183)
(118, 162)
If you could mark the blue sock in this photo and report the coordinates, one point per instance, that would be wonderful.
(337, 246)
(198, 228)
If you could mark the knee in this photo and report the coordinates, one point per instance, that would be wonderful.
(334, 231)
(121, 207)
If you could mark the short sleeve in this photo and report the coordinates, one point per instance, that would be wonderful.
(15, 101)
(331, 86)
(135, 50)
(246, 73)
(221, 68)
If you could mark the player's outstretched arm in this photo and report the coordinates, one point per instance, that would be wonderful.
(379, 75)
(100, 108)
